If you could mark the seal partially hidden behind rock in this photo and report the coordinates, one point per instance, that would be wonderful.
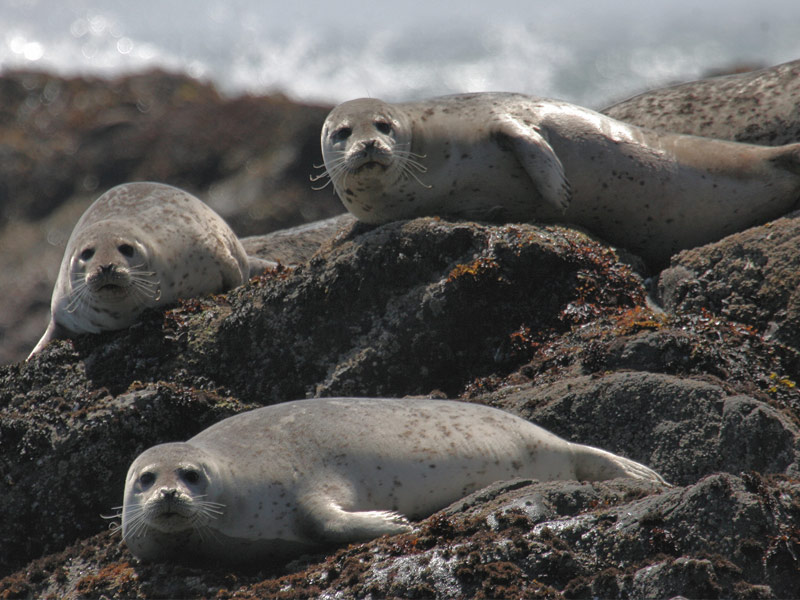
(756, 107)
(138, 246)
(303, 475)
(511, 157)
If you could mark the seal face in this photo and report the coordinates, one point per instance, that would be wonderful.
(510, 157)
(304, 475)
(139, 246)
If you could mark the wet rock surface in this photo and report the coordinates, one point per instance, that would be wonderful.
(544, 322)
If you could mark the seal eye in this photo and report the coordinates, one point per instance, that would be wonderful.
(342, 134)
(383, 127)
(146, 479)
(126, 250)
(191, 476)
(87, 254)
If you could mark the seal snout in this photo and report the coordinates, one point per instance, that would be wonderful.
(109, 278)
(170, 497)
(371, 153)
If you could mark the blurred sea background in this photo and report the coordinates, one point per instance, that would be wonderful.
(588, 52)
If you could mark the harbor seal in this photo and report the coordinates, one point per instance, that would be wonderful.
(138, 246)
(305, 475)
(511, 157)
(756, 107)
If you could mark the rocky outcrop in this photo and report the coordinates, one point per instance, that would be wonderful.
(544, 322)
(540, 321)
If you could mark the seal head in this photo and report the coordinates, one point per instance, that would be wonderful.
(110, 277)
(171, 497)
(367, 148)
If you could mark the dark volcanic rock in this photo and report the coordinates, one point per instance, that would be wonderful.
(541, 321)
(752, 277)
(406, 308)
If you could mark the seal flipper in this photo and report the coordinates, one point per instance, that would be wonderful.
(594, 464)
(54, 331)
(539, 160)
(259, 265)
(327, 522)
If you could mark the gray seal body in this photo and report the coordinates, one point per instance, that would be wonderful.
(511, 157)
(140, 245)
(308, 474)
(756, 107)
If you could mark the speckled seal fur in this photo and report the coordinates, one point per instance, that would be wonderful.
(757, 107)
(140, 245)
(309, 474)
(511, 157)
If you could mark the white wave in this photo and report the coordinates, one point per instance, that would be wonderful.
(585, 52)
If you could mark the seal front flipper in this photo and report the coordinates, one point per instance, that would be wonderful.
(326, 522)
(54, 332)
(538, 159)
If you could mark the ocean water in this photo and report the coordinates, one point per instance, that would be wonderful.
(588, 52)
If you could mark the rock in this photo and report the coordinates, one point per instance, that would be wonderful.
(298, 244)
(545, 322)
(752, 277)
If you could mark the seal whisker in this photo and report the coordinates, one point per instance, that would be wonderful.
(146, 288)
(77, 299)
(136, 526)
(406, 170)
(337, 166)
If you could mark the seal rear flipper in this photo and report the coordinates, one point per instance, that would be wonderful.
(327, 522)
(593, 464)
(259, 265)
(539, 160)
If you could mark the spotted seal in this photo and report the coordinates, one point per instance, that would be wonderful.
(309, 474)
(511, 157)
(756, 107)
(141, 245)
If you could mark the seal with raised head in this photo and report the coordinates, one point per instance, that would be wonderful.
(511, 157)
(309, 474)
(756, 107)
(141, 245)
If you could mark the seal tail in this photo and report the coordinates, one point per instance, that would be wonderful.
(594, 464)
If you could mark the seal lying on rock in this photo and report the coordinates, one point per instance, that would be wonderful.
(303, 475)
(756, 107)
(510, 157)
(138, 246)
